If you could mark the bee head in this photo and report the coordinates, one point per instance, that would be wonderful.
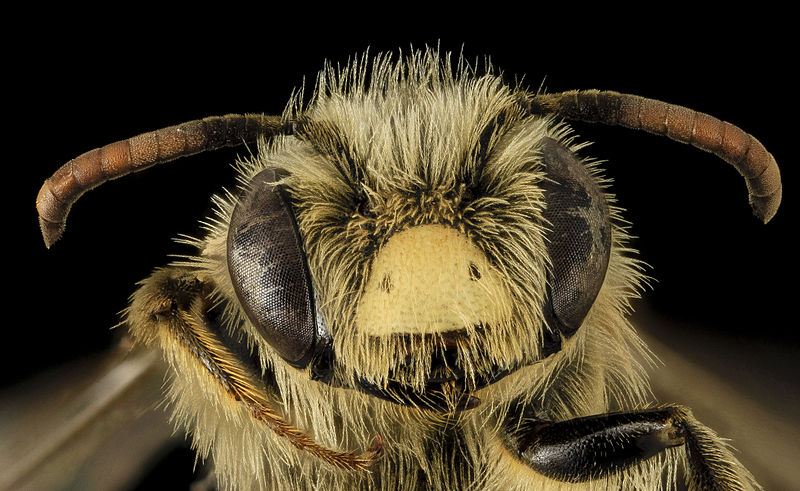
(430, 218)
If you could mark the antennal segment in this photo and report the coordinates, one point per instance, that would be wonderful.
(67, 184)
(679, 123)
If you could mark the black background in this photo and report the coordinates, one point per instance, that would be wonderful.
(97, 81)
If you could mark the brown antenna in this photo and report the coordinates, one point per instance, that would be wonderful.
(679, 123)
(115, 160)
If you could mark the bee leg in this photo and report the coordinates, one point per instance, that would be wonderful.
(592, 447)
(711, 465)
(173, 309)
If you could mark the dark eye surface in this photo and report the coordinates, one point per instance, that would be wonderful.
(269, 272)
(579, 242)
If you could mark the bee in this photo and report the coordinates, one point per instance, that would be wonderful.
(418, 284)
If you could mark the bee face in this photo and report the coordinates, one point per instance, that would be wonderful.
(456, 250)
(425, 253)
(429, 258)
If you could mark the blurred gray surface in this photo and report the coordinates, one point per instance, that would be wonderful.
(745, 390)
(93, 424)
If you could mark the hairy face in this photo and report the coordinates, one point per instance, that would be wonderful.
(423, 229)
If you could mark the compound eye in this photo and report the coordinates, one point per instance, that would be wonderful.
(269, 271)
(579, 241)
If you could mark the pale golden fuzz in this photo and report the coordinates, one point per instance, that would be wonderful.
(403, 248)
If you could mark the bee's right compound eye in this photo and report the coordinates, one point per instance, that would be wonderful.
(269, 272)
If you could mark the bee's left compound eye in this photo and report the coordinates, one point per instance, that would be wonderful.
(269, 272)
(579, 241)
